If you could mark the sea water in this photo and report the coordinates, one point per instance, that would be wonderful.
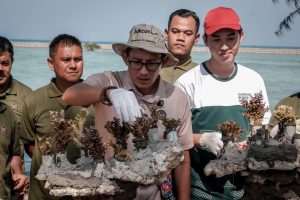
(281, 73)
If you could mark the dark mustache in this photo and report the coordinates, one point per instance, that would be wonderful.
(1, 73)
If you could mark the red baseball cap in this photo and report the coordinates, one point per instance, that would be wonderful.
(219, 18)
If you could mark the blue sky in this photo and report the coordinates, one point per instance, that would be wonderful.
(111, 20)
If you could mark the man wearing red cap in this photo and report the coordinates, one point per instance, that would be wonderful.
(215, 89)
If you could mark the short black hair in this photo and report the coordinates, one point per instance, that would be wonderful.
(64, 39)
(205, 35)
(185, 13)
(6, 45)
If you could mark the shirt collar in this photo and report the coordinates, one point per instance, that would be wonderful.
(53, 91)
(183, 66)
(2, 107)
(10, 89)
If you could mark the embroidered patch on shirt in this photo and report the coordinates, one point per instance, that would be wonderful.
(3, 129)
(14, 106)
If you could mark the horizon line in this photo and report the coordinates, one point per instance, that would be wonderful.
(198, 45)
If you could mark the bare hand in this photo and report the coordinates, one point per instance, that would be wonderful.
(242, 145)
(21, 182)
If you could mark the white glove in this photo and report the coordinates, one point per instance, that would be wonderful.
(212, 141)
(274, 131)
(125, 103)
(298, 126)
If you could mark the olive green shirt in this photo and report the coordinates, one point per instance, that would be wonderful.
(9, 147)
(171, 74)
(37, 128)
(14, 95)
(292, 101)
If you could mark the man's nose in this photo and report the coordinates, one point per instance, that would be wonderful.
(181, 36)
(144, 69)
(72, 64)
(224, 46)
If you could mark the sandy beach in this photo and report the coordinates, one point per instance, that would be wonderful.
(258, 50)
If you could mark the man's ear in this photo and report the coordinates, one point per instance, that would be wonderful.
(164, 61)
(204, 37)
(125, 57)
(197, 39)
(242, 37)
(50, 63)
(166, 31)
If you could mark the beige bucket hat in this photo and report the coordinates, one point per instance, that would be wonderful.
(147, 37)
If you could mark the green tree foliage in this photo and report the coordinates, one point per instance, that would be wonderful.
(285, 24)
(92, 46)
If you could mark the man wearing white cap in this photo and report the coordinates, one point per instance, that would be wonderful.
(215, 89)
(125, 93)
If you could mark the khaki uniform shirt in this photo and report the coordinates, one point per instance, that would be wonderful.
(37, 128)
(14, 96)
(171, 74)
(175, 104)
(9, 147)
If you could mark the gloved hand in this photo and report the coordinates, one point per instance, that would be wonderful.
(212, 141)
(274, 131)
(125, 103)
(298, 126)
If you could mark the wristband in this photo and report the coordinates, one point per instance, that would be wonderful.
(103, 95)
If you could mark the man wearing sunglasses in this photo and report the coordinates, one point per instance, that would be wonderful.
(128, 94)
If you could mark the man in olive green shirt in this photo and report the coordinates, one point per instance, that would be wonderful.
(11, 175)
(65, 59)
(12, 92)
(183, 27)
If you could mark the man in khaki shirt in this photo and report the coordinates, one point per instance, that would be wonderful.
(66, 60)
(182, 32)
(11, 175)
(12, 91)
(131, 92)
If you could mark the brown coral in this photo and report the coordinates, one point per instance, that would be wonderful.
(62, 129)
(140, 127)
(119, 131)
(170, 124)
(65, 130)
(230, 130)
(154, 116)
(255, 108)
(285, 115)
(92, 143)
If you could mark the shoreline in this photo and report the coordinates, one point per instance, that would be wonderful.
(257, 50)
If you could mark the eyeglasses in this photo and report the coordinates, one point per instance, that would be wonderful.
(151, 66)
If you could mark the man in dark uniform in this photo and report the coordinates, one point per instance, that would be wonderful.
(66, 61)
(11, 175)
(12, 92)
